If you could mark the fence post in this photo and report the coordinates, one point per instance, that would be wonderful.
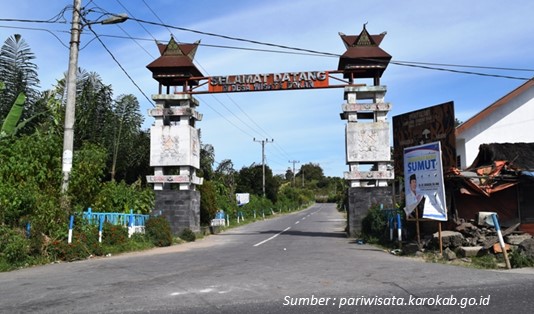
(391, 227)
(71, 225)
(28, 227)
(130, 226)
(88, 214)
(100, 228)
(399, 229)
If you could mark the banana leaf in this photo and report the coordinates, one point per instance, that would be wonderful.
(9, 127)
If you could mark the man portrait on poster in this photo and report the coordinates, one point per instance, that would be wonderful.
(413, 196)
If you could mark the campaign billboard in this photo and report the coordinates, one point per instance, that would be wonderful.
(423, 176)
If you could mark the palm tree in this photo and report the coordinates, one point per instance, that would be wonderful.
(19, 75)
(125, 130)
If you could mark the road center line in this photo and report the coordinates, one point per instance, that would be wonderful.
(274, 236)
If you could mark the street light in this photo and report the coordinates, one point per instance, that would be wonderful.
(70, 106)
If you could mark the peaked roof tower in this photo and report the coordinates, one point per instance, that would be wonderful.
(363, 58)
(175, 65)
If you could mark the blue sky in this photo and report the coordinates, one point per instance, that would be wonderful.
(305, 125)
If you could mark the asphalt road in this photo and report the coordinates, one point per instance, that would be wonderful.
(295, 263)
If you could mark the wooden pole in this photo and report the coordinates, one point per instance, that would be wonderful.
(440, 239)
(417, 227)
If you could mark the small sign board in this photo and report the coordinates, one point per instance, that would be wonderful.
(242, 198)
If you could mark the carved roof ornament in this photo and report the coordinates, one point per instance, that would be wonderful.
(364, 39)
(363, 58)
(175, 65)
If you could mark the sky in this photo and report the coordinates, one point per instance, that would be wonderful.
(304, 125)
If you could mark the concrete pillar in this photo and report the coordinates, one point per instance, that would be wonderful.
(175, 156)
(368, 151)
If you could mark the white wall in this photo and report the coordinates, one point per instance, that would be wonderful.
(510, 123)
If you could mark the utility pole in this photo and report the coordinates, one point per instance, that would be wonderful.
(294, 162)
(70, 106)
(263, 158)
(68, 135)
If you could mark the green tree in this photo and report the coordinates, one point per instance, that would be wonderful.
(310, 172)
(208, 202)
(126, 128)
(250, 180)
(93, 111)
(19, 75)
(137, 159)
(226, 174)
(207, 159)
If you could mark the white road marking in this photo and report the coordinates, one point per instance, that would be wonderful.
(274, 236)
(296, 223)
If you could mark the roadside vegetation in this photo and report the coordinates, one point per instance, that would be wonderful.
(110, 165)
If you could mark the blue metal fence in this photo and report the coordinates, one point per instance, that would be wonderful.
(130, 219)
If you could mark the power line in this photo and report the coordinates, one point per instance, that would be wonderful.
(465, 66)
(461, 72)
(422, 65)
(237, 38)
(228, 96)
(40, 29)
(333, 54)
(130, 14)
(229, 121)
(120, 65)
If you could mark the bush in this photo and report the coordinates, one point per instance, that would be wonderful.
(63, 251)
(14, 246)
(158, 231)
(88, 234)
(114, 234)
(188, 235)
(518, 260)
(374, 225)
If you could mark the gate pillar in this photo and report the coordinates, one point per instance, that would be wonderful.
(368, 151)
(175, 156)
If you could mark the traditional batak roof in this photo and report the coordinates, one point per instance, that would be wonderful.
(175, 65)
(363, 58)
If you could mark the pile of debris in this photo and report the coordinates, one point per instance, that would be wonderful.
(476, 238)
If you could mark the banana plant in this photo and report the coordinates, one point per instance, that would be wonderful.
(11, 123)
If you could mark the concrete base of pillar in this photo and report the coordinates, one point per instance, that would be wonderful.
(180, 207)
(360, 200)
